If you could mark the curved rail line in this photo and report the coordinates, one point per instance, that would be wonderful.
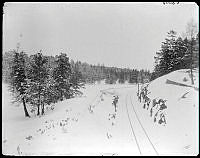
(132, 128)
(143, 128)
(137, 143)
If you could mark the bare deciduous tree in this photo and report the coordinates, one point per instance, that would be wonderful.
(191, 31)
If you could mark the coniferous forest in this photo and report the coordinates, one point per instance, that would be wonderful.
(176, 53)
(40, 81)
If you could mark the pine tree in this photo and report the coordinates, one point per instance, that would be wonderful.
(133, 76)
(50, 93)
(166, 57)
(18, 81)
(61, 75)
(180, 50)
(196, 52)
(37, 80)
(76, 80)
(121, 77)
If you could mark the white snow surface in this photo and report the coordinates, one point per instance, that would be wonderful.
(85, 126)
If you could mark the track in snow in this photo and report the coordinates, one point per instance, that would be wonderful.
(132, 128)
(141, 137)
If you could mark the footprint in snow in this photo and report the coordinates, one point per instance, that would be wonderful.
(38, 130)
(4, 141)
(29, 137)
(187, 146)
(64, 130)
(74, 119)
(42, 131)
(54, 138)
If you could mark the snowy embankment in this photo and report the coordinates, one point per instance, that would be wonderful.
(180, 134)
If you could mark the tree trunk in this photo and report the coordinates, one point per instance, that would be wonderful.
(25, 109)
(38, 112)
(43, 109)
(192, 80)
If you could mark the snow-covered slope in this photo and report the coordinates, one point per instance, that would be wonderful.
(70, 129)
(179, 76)
(180, 134)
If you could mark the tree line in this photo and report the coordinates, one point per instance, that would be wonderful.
(40, 81)
(111, 75)
(178, 53)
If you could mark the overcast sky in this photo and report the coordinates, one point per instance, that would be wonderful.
(113, 34)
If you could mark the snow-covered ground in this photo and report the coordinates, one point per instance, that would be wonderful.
(89, 125)
(180, 134)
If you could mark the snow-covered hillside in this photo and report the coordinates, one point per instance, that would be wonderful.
(180, 134)
(90, 125)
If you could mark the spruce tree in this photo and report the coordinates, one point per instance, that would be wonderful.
(180, 50)
(37, 76)
(18, 79)
(61, 75)
(76, 80)
(121, 77)
(165, 59)
(196, 52)
(133, 76)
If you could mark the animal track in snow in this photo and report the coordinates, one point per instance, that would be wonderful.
(108, 135)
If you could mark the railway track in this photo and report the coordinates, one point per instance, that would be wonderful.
(132, 129)
(141, 137)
